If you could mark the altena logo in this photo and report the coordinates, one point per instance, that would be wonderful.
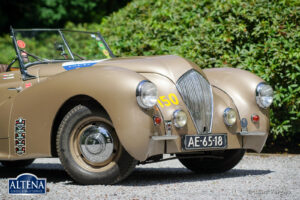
(27, 184)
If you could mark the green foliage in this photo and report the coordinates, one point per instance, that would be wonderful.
(53, 13)
(260, 36)
(7, 50)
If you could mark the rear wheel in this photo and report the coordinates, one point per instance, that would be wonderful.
(223, 161)
(89, 149)
(17, 163)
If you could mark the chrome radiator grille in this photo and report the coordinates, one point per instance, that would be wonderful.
(196, 93)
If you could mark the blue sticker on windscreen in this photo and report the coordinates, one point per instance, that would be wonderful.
(79, 64)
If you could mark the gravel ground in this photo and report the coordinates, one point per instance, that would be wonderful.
(255, 177)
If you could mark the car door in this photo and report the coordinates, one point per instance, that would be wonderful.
(10, 84)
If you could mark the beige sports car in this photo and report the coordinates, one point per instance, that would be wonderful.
(66, 95)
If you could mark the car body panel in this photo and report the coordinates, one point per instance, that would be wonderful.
(241, 85)
(120, 103)
(169, 66)
(8, 81)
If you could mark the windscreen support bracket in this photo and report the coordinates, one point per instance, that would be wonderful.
(25, 75)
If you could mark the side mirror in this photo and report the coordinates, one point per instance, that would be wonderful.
(59, 46)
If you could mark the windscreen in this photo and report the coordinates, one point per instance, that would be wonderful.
(55, 45)
(86, 45)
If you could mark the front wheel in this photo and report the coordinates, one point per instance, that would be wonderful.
(89, 149)
(223, 161)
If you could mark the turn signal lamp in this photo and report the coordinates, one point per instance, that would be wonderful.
(255, 118)
(157, 120)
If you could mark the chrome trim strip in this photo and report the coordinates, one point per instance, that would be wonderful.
(164, 137)
(254, 133)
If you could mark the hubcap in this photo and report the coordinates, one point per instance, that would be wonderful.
(96, 144)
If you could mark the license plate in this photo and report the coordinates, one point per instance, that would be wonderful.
(205, 141)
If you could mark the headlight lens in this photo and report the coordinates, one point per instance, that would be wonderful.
(179, 118)
(264, 95)
(146, 94)
(229, 116)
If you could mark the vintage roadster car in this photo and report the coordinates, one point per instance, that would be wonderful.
(66, 95)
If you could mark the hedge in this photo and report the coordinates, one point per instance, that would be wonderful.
(259, 36)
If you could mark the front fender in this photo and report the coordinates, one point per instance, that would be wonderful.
(241, 85)
(114, 88)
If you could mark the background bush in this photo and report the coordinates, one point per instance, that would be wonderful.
(260, 36)
(53, 13)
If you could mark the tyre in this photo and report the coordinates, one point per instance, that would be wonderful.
(17, 163)
(222, 162)
(89, 149)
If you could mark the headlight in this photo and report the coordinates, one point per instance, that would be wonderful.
(229, 116)
(264, 95)
(179, 118)
(146, 94)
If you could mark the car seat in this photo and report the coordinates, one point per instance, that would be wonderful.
(3, 68)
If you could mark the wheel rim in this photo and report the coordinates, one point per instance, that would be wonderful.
(94, 144)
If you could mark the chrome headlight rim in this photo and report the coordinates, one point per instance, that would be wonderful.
(175, 120)
(139, 94)
(225, 115)
(258, 95)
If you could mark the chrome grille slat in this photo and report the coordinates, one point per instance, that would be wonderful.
(196, 93)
